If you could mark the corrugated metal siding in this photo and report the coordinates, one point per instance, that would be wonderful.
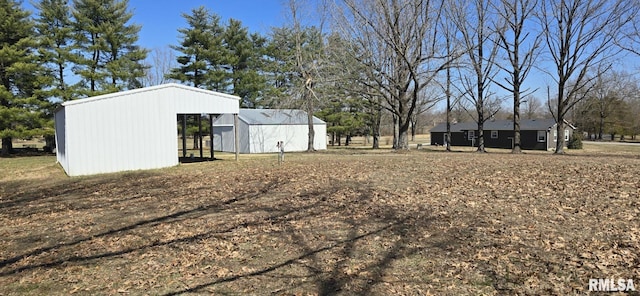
(223, 120)
(223, 138)
(320, 139)
(132, 130)
(125, 133)
(276, 117)
(243, 133)
(262, 138)
(224, 135)
(61, 144)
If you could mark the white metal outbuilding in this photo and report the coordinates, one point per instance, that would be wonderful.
(130, 130)
(259, 130)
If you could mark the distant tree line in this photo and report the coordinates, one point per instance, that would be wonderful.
(353, 63)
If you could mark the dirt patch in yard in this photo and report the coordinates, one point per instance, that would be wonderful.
(330, 223)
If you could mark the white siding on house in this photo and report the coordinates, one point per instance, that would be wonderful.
(130, 130)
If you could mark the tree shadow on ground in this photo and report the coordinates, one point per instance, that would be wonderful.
(189, 213)
(352, 255)
(327, 261)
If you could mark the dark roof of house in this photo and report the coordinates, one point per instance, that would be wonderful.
(498, 125)
(276, 117)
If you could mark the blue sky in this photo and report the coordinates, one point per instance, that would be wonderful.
(161, 19)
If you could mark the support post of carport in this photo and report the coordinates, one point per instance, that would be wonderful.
(200, 134)
(211, 134)
(237, 137)
(184, 135)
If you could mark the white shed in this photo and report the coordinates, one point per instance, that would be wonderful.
(130, 130)
(261, 129)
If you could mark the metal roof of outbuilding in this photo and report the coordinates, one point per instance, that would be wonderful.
(275, 117)
(149, 89)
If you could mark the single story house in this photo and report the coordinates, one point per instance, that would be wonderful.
(261, 129)
(535, 134)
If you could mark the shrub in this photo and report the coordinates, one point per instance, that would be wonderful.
(575, 141)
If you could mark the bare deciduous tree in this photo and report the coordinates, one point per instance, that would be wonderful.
(159, 63)
(634, 121)
(629, 39)
(427, 100)
(398, 41)
(515, 14)
(453, 50)
(580, 38)
(604, 105)
(307, 61)
(472, 19)
(531, 108)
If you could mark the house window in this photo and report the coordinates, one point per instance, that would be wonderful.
(494, 134)
(555, 135)
(566, 135)
(542, 136)
(471, 135)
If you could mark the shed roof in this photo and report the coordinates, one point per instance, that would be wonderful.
(276, 117)
(149, 89)
(499, 125)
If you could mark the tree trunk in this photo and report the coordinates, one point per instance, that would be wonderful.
(50, 143)
(312, 133)
(481, 137)
(448, 93)
(414, 122)
(481, 130)
(7, 147)
(516, 121)
(403, 139)
(600, 127)
(376, 128)
(395, 132)
(403, 131)
(560, 138)
(448, 137)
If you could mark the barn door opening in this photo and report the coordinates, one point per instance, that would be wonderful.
(194, 137)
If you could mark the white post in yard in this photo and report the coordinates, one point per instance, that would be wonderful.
(235, 130)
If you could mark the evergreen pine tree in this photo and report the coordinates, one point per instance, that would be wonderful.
(225, 59)
(244, 60)
(21, 77)
(279, 68)
(196, 55)
(109, 59)
(55, 34)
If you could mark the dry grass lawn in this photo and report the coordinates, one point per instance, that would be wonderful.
(347, 222)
